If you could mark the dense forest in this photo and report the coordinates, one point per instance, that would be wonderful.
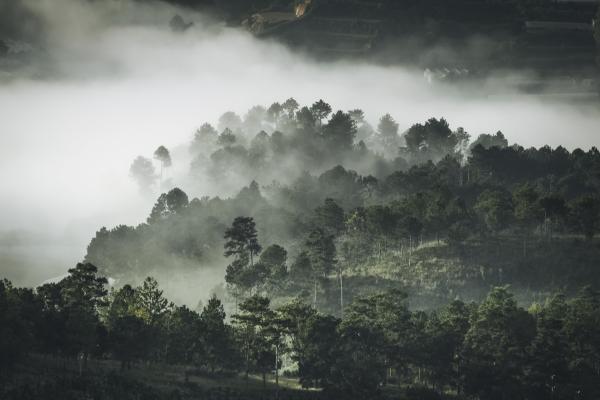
(336, 199)
(379, 348)
(358, 262)
(152, 248)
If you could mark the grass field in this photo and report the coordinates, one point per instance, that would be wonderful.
(43, 377)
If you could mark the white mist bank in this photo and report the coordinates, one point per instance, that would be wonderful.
(122, 84)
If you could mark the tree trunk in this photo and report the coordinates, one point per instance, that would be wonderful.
(409, 249)
(277, 367)
(315, 294)
(341, 293)
(247, 363)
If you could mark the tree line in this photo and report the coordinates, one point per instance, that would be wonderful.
(430, 184)
(502, 193)
(494, 349)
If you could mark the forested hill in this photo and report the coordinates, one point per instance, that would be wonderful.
(341, 209)
(456, 39)
(360, 264)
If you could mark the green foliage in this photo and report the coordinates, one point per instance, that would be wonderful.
(582, 327)
(330, 217)
(315, 341)
(129, 338)
(494, 347)
(585, 213)
(253, 323)
(171, 203)
(226, 138)
(320, 111)
(439, 224)
(242, 244)
(241, 238)
(274, 258)
(151, 305)
(489, 350)
(205, 138)
(528, 211)
(487, 141)
(219, 351)
(597, 27)
(495, 208)
(432, 140)
(84, 288)
(290, 105)
(388, 138)
(339, 132)
(432, 192)
(15, 327)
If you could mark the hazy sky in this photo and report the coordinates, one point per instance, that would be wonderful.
(122, 84)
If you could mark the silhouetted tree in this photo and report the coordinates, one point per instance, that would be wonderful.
(252, 322)
(487, 141)
(290, 106)
(218, 344)
(151, 305)
(339, 132)
(528, 211)
(171, 203)
(321, 253)
(321, 111)
(164, 157)
(226, 138)
(388, 134)
(242, 243)
(274, 112)
(495, 347)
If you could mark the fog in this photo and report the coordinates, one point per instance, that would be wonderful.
(109, 81)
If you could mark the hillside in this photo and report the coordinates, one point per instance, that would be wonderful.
(455, 39)
(442, 218)
(168, 234)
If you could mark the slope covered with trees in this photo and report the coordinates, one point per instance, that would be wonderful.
(356, 262)
(380, 348)
(428, 210)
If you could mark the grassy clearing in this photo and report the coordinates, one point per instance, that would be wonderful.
(42, 377)
(435, 272)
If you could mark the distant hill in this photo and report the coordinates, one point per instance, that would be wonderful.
(553, 38)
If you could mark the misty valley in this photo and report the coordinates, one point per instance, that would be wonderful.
(299, 200)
